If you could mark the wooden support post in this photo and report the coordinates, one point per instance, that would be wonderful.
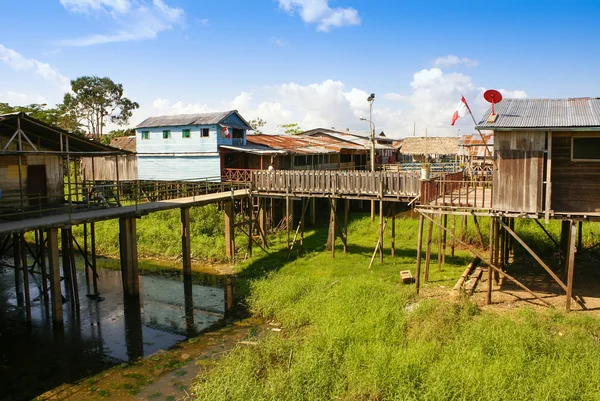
(497, 250)
(570, 264)
(372, 210)
(75, 302)
(129, 260)
(85, 254)
(419, 248)
(262, 220)
(579, 235)
(331, 232)
(17, 265)
(381, 232)
(305, 203)
(393, 242)
(463, 227)
(313, 211)
(25, 279)
(66, 264)
(287, 221)
(479, 234)
(439, 245)
(229, 296)
(346, 209)
(250, 212)
(229, 231)
(428, 251)
(54, 264)
(186, 261)
(490, 270)
(452, 235)
(93, 244)
(444, 237)
(43, 269)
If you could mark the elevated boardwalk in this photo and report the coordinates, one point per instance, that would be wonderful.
(365, 185)
(87, 216)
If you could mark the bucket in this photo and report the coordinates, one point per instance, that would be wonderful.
(425, 173)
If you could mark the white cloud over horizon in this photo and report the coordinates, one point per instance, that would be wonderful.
(318, 12)
(132, 20)
(18, 62)
(451, 60)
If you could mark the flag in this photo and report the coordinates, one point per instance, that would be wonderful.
(461, 110)
(225, 131)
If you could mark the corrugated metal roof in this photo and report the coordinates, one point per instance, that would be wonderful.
(254, 149)
(349, 138)
(303, 144)
(544, 113)
(188, 119)
(124, 142)
(475, 140)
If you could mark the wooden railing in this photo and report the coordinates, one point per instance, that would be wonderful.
(454, 190)
(236, 174)
(365, 184)
(327, 166)
(433, 167)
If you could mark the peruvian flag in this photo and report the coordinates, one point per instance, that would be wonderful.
(225, 131)
(461, 110)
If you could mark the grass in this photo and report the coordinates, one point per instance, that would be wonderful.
(353, 333)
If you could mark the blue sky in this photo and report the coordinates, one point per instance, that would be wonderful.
(313, 62)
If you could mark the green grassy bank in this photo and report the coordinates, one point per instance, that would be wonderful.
(353, 333)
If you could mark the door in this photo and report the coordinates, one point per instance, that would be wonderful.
(37, 188)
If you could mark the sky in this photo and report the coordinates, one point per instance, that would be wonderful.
(310, 62)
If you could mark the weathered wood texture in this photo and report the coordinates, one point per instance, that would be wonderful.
(340, 183)
(104, 168)
(575, 184)
(51, 191)
(519, 178)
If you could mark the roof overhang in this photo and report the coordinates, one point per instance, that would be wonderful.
(254, 150)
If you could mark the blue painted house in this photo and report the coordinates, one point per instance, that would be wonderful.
(186, 146)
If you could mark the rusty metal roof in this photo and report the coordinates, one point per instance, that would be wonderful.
(544, 113)
(350, 137)
(303, 144)
(124, 142)
(475, 140)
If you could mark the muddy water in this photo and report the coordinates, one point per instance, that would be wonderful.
(102, 334)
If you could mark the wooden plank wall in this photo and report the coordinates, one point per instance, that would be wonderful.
(575, 185)
(105, 168)
(9, 177)
(519, 178)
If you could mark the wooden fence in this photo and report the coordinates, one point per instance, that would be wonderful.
(365, 184)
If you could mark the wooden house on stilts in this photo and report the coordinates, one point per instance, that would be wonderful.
(546, 166)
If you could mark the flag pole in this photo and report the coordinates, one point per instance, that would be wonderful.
(480, 134)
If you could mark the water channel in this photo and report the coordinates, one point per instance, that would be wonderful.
(106, 331)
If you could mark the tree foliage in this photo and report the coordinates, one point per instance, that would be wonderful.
(257, 124)
(59, 116)
(291, 128)
(95, 101)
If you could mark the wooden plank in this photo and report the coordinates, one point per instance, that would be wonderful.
(571, 265)
(428, 250)
(473, 281)
(419, 248)
(54, 267)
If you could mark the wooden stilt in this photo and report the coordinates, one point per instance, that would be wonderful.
(54, 264)
(262, 220)
(72, 265)
(129, 260)
(17, 266)
(444, 237)
(439, 245)
(393, 242)
(186, 261)
(579, 234)
(43, 270)
(25, 279)
(479, 234)
(428, 251)
(419, 248)
(452, 235)
(346, 209)
(381, 232)
(250, 211)
(331, 240)
(497, 250)
(373, 210)
(94, 271)
(66, 264)
(287, 221)
(463, 227)
(85, 253)
(313, 211)
(305, 203)
(490, 270)
(571, 264)
(229, 231)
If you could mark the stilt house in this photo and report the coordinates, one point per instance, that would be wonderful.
(547, 156)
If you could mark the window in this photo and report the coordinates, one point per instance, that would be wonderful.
(204, 132)
(166, 134)
(145, 134)
(585, 148)
(186, 133)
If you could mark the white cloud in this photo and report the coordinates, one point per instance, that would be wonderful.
(134, 20)
(428, 104)
(20, 99)
(318, 12)
(18, 62)
(279, 42)
(451, 60)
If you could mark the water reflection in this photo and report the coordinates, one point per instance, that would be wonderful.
(37, 358)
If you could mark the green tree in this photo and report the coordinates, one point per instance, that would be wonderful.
(257, 124)
(291, 128)
(95, 101)
(59, 115)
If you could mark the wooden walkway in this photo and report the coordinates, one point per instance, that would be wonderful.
(86, 216)
(391, 186)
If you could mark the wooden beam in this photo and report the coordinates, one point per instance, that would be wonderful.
(54, 264)
(250, 212)
(186, 261)
(439, 245)
(419, 248)
(229, 219)
(25, 279)
(428, 250)
(444, 237)
(393, 241)
(17, 266)
(571, 265)
(490, 270)
(479, 234)
(129, 260)
(548, 178)
(381, 232)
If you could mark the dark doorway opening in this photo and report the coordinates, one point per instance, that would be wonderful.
(37, 187)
